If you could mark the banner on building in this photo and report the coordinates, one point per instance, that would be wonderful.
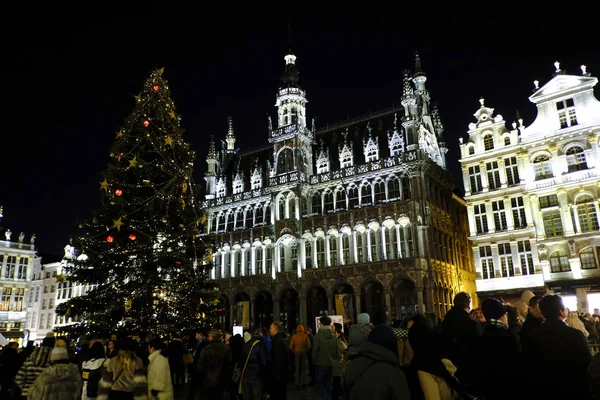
(343, 306)
(243, 314)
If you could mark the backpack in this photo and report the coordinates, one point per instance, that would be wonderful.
(93, 380)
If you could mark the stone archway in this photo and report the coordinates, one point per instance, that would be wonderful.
(344, 302)
(263, 309)
(223, 311)
(372, 301)
(241, 310)
(288, 309)
(317, 304)
(403, 298)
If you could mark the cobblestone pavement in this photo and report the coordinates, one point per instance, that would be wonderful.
(294, 393)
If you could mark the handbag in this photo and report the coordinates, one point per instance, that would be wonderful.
(188, 358)
(245, 364)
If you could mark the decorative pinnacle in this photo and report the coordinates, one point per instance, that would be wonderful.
(418, 65)
(212, 153)
(536, 84)
(557, 66)
(230, 127)
(583, 70)
(407, 90)
(482, 101)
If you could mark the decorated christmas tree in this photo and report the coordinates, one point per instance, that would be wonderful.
(141, 256)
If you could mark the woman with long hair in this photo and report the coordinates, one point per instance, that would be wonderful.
(125, 377)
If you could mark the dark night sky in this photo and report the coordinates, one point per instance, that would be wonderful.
(72, 81)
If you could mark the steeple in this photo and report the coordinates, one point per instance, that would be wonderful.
(230, 138)
(291, 99)
(211, 172)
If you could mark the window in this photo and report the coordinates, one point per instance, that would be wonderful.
(566, 113)
(524, 249)
(588, 260)
(552, 223)
(471, 150)
(230, 218)
(576, 159)
(308, 260)
(320, 252)
(499, 215)
(488, 142)
(559, 262)
(393, 188)
(549, 201)
(518, 212)
(328, 202)
(475, 179)
(379, 191)
(258, 214)
(11, 263)
(374, 240)
(507, 140)
(365, 194)
(285, 161)
(360, 244)
(316, 203)
(493, 174)
(506, 260)
(333, 251)
(586, 214)
(512, 171)
(542, 167)
(239, 219)
(480, 219)
(352, 197)
(22, 270)
(5, 299)
(487, 262)
(258, 254)
(346, 250)
(256, 182)
(405, 187)
(340, 200)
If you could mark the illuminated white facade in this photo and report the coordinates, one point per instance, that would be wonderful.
(363, 209)
(532, 192)
(17, 262)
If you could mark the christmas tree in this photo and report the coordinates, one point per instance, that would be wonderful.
(140, 256)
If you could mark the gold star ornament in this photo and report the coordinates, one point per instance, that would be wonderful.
(120, 133)
(172, 114)
(104, 185)
(133, 162)
(138, 98)
(168, 140)
(117, 223)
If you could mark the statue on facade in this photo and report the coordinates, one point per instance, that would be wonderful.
(7, 235)
(270, 123)
(21, 237)
(32, 239)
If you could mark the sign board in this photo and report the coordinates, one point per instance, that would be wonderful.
(334, 319)
(238, 329)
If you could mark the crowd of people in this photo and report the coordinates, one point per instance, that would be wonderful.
(534, 349)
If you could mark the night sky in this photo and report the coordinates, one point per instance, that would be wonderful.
(72, 80)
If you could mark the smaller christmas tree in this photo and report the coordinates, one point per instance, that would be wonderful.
(140, 257)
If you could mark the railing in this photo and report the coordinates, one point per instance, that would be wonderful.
(289, 129)
(512, 282)
(16, 245)
(577, 176)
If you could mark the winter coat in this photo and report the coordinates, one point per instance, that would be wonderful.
(435, 387)
(522, 305)
(257, 361)
(358, 335)
(159, 376)
(280, 357)
(325, 347)
(339, 363)
(213, 365)
(116, 378)
(57, 382)
(300, 343)
(91, 369)
(32, 368)
(375, 375)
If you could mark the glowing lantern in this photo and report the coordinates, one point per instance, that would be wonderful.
(118, 192)
(146, 123)
(110, 239)
(132, 237)
(156, 87)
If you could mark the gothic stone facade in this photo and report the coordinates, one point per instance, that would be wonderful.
(532, 193)
(356, 217)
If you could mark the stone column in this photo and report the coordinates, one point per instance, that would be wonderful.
(357, 301)
(252, 313)
(388, 306)
(231, 312)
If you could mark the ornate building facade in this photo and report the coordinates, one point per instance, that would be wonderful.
(356, 217)
(532, 193)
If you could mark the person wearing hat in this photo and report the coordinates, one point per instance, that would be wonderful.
(498, 354)
(375, 373)
(213, 367)
(358, 334)
(37, 361)
(61, 380)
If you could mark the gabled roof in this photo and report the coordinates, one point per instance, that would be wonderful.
(563, 85)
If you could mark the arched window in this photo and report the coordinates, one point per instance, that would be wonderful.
(374, 241)
(393, 188)
(285, 161)
(365, 194)
(542, 167)
(258, 254)
(281, 208)
(471, 150)
(258, 214)
(488, 142)
(308, 257)
(360, 247)
(328, 202)
(405, 187)
(352, 197)
(346, 249)
(230, 218)
(294, 115)
(576, 159)
(321, 252)
(221, 223)
(507, 140)
(340, 200)
(333, 251)
(559, 262)
(316, 203)
(267, 217)
(239, 219)
(379, 191)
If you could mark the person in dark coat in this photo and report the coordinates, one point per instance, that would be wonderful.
(280, 362)
(213, 368)
(375, 372)
(460, 335)
(9, 366)
(561, 354)
(255, 352)
(236, 344)
(498, 354)
(175, 352)
(532, 323)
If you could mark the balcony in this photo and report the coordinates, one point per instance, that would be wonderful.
(513, 282)
(290, 130)
(578, 176)
(16, 245)
(9, 316)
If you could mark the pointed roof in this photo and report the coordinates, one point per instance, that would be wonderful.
(290, 76)
(563, 85)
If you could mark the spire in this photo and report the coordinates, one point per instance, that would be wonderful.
(290, 74)
(418, 66)
(212, 153)
(407, 90)
(230, 138)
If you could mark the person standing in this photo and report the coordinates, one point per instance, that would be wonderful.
(300, 345)
(280, 362)
(160, 385)
(324, 353)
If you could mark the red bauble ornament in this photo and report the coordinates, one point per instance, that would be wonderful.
(118, 192)
(156, 87)
(110, 239)
(146, 123)
(132, 237)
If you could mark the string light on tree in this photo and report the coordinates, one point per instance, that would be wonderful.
(149, 271)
